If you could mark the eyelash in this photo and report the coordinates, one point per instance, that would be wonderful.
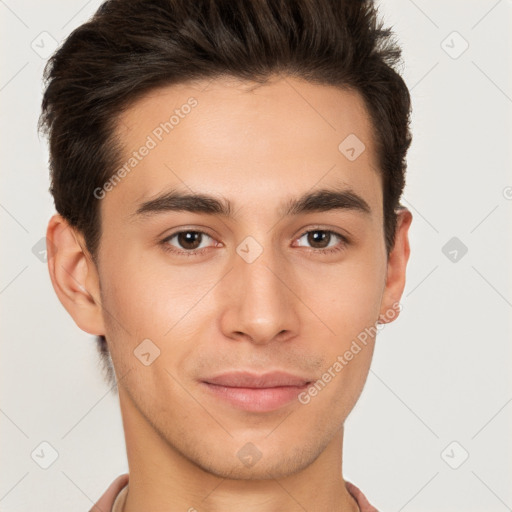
(198, 252)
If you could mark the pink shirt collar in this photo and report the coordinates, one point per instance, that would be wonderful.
(114, 496)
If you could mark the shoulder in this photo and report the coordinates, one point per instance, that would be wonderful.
(105, 503)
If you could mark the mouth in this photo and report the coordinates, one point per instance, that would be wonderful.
(256, 393)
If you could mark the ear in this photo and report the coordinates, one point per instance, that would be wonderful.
(397, 263)
(74, 275)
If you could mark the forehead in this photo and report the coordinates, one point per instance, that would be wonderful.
(246, 141)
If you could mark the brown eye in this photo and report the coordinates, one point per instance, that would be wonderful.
(189, 239)
(186, 241)
(324, 240)
(319, 238)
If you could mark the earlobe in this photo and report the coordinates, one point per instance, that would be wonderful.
(396, 269)
(74, 276)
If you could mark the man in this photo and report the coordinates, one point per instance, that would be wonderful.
(227, 178)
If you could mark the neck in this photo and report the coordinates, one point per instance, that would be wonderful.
(161, 478)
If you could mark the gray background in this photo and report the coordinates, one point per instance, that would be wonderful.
(440, 385)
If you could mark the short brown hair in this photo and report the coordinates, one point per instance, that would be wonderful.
(132, 46)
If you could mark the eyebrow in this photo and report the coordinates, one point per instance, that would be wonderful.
(322, 200)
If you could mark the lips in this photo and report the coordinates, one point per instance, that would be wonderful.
(256, 392)
(250, 380)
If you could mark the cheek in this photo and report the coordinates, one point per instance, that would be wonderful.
(144, 296)
(143, 301)
(350, 306)
(346, 297)
(347, 363)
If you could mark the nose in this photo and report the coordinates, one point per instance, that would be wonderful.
(261, 305)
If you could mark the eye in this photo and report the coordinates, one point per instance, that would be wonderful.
(325, 241)
(189, 242)
(194, 242)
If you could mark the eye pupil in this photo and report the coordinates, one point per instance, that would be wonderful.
(313, 238)
(186, 238)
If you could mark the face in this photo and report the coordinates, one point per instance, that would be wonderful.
(250, 280)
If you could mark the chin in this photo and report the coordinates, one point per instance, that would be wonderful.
(251, 463)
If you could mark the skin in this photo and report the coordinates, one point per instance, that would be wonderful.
(291, 309)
